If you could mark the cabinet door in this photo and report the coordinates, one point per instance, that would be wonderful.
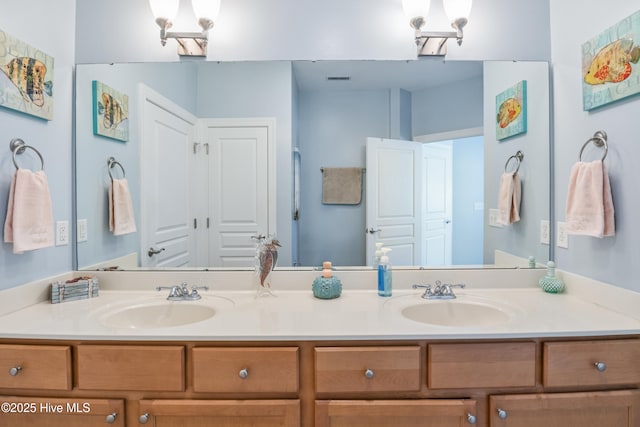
(56, 412)
(220, 413)
(398, 413)
(590, 409)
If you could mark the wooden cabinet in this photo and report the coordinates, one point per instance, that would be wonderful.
(591, 363)
(394, 413)
(128, 367)
(227, 413)
(481, 365)
(588, 409)
(57, 412)
(366, 369)
(38, 367)
(245, 369)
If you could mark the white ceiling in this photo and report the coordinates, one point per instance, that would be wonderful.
(409, 75)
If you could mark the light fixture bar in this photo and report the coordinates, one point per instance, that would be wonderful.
(434, 43)
(190, 44)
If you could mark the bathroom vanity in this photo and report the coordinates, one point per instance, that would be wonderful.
(293, 360)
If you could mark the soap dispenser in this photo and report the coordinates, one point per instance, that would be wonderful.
(377, 255)
(550, 283)
(384, 274)
(326, 286)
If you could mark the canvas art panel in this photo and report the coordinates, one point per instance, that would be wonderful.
(610, 64)
(511, 111)
(110, 112)
(26, 80)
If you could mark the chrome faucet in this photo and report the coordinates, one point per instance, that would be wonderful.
(181, 292)
(439, 291)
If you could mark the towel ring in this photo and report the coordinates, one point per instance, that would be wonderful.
(518, 156)
(18, 146)
(599, 139)
(111, 162)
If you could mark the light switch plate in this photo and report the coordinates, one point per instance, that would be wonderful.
(62, 233)
(562, 240)
(493, 218)
(544, 232)
(82, 230)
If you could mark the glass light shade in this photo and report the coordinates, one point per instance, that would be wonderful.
(416, 8)
(457, 8)
(164, 8)
(206, 8)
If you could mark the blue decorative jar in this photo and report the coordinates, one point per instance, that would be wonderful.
(550, 283)
(326, 286)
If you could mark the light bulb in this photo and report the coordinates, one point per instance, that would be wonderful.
(457, 8)
(208, 9)
(164, 8)
(416, 9)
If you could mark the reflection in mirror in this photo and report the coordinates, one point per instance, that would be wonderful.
(221, 152)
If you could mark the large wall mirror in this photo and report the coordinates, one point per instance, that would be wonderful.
(218, 153)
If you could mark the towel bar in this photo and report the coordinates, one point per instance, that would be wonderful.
(18, 146)
(518, 156)
(599, 139)
(111, 162)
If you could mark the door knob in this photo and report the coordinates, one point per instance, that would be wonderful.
(144, 418)
(372, 230)
(111, 418)
(502, 414)
(153, 251)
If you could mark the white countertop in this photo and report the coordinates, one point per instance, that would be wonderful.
(297, 315)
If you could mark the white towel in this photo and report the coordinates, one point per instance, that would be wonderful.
(29, 221)
(121, 217)
(509, 195)
(589, 202)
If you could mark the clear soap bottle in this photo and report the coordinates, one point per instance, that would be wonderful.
(384, 274)
(377, 255)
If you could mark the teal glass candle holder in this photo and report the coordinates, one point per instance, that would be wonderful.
(550, 283)
(326, 287)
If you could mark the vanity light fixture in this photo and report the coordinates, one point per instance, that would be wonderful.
(189, 43)
(434, 43)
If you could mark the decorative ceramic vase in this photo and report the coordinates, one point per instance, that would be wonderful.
(327, 286)
(550, 283)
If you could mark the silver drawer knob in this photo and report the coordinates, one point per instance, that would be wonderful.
(502, 414)
(471, 419)
(601, 366)
(369, 373)
(111, 418)
(143, 418)
(244, 373)
(15, 370)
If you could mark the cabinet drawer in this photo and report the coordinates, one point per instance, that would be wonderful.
(577, 363)
(245, 369)
(115, 367)
(481, 365)
(36, 367)
(359, 369)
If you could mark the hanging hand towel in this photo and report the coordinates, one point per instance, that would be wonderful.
(341, 186)
(29, 221)
(589, 202)
(121, 217)
(509, 195)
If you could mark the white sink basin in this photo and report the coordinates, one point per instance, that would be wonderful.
(158, 315)
(456, 313)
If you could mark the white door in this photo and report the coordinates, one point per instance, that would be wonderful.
(393, 193)
(437, 203)
(166, 153)
(241, 188)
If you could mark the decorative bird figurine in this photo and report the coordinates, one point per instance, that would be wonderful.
(267, 255)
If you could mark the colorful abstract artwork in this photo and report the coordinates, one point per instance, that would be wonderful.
(110, 112)
(511, 111)
(610, 68)
(26, 80)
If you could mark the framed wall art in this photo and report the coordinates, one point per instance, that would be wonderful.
(26, 80)
(511, 111)
(610, 68)
(110, 112)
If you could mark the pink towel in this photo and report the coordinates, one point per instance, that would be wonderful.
(29, 221)
(121, 218)
(509, 195)
(589, 202)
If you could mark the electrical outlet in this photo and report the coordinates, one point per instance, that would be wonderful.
(562, 240)
(544, 232)
(82, 230)
(62, 233)
(493, 218)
